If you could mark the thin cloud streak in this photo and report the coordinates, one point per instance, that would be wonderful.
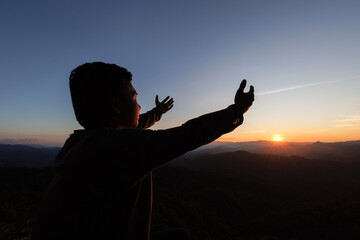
(348, 121)
(292, 88)
(257, 131)
(344, 125)
(352, 118)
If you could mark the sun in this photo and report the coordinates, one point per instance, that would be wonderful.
(277, 138)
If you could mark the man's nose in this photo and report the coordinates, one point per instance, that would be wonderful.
(139, 106)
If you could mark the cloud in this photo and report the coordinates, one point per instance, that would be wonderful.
(348, 121)
(351, 118)
(344, 125)
(292, 88)
(257, 131)
(19, 141)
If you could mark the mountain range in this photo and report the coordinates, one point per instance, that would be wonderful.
(32, 155)
(348, 151)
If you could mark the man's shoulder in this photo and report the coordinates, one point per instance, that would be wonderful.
(103, 143)
(107, 135)
(105, 131)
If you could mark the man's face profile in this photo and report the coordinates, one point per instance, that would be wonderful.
(126, 107)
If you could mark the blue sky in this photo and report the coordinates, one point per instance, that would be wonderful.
(303, 58)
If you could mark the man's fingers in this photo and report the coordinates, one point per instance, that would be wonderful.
(157, 99)
(170, 107)
(171, 101)
(251, 89)
(242, 85)
(163, 101)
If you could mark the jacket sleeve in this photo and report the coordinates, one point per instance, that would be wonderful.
(149, 118)
(164, 145)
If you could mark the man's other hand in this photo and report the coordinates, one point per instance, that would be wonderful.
(243, 101)
(165, 105)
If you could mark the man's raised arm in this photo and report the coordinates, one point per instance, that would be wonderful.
(164, 145)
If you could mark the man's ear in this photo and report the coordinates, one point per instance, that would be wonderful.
(115, 104)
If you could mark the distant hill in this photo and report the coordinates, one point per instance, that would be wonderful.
(33, 155)
(27, 156)
(338, 151)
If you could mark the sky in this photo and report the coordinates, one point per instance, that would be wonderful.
(302, 57)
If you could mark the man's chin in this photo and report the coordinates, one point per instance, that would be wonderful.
(136, 124)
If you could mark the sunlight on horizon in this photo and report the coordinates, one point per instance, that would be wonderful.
(278, 138)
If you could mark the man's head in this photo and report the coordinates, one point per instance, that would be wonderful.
(103, 96)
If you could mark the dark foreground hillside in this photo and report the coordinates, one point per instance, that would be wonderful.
(217, 206)
(249, 200)
(21, 192)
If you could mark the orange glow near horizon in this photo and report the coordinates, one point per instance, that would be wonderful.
(294, 135)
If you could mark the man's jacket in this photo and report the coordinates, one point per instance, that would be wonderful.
(102, 183)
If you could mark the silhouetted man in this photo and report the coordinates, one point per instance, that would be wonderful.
(102, 184)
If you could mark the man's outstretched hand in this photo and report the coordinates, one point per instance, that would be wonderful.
(243, 101)
(165, 105)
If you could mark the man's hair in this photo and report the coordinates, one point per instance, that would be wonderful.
(91, 86)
